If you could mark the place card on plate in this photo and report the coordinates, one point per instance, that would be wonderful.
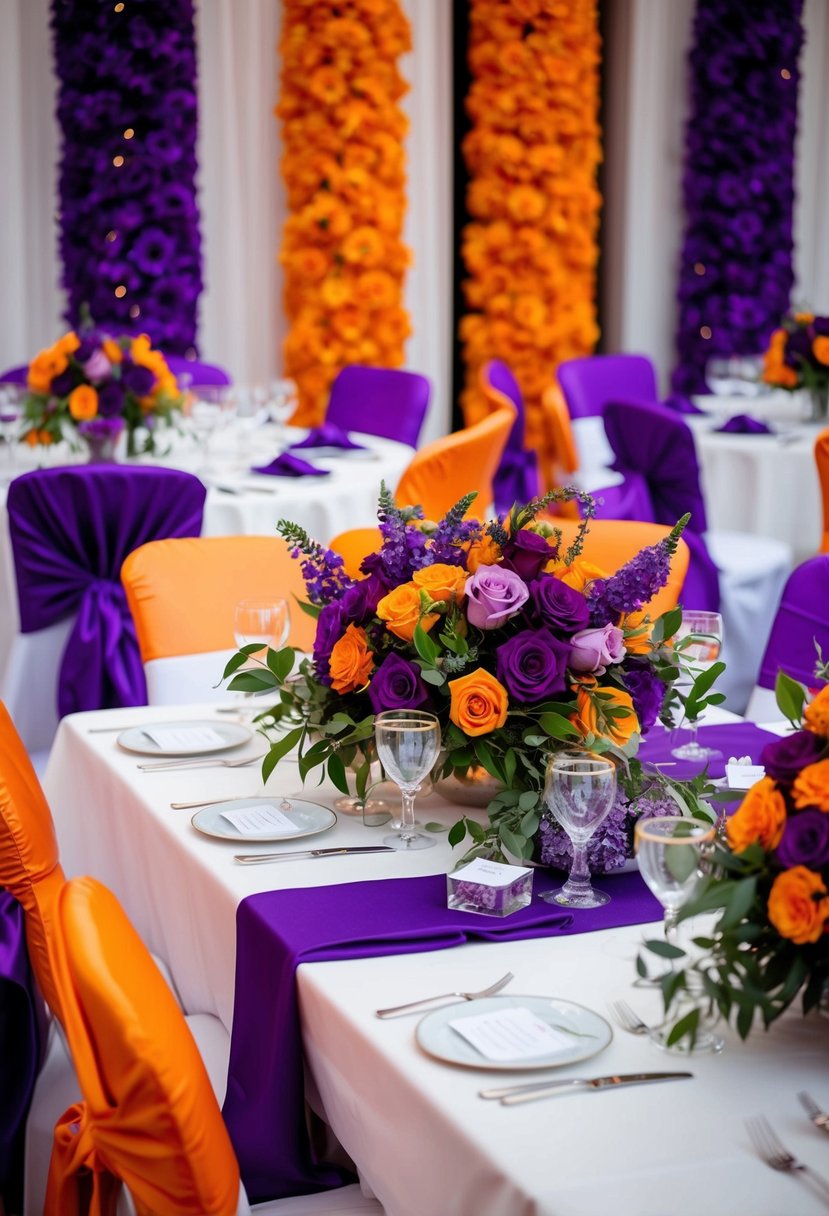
(254, 820)
(185, 738)
(489, 888)
(741, 774)
(511, 1034)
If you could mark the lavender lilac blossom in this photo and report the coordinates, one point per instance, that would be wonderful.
(736, 269)
(127, 108)
(631, 587)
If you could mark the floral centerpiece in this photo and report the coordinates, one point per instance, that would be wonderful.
(96, 386)
(798, 358)
(770, 879)
(511, 638)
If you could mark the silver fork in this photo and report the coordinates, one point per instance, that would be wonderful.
(410, 1006)
(819, 1117)
(159, 766)
(774, 1154)
(628, 1020)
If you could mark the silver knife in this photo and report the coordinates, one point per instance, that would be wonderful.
(512, 1095)
(250, 859)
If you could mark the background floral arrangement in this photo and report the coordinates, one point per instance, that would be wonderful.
(771, 879)
(736, 274)
(127, 107)
(517, 645)
(532, 155)
(798, 353)
(344, 169)
(99, 385)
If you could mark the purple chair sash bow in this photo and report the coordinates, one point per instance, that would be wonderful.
(71, 529)
(801, 619)
(517, 478)
(277, 930)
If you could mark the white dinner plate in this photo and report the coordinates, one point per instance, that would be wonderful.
(232, 734)
(591, 1033)
(310, 818)
(333, 453)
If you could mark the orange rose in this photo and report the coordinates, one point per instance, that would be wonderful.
(820, 349)
(478, 703)
(760, 819)
(68, 344)
(44, 367)
(484, 552)
(83, 402)
(811, 786)
(112, 350)
(593, 716)
(401, 610)
(442, 583)
(351, 661)
(793, 909)
(637, 628)
(578, 575)
(816, 713)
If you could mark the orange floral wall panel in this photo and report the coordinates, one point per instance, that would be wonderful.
(344, 169)
(532, 153)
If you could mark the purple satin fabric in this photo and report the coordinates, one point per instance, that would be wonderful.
(743, 424)
(655, 452)
(380, 401)
(589, 383)
(22, 1038)
(802, 618)
(516, 479)
(71, 529)
(329, 435)
(200, 374)
(278, 930)
(286, 465)
(15, 375)
(681, 404)
(730, 739)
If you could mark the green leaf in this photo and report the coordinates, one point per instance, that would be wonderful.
(424, 645)
(557, 727)
(686, 1026)
(528, 800)
(790, 697)
(336, 771)
(510, 763)
(434, 827)
(280, 749)
(432, 676)
(457, 832)
(529, 824)
(668, 623)
(281, 662)
(234, 663)
(260, 680)
(664, 949)
(739, 903)
(312, 610)
(516, 844)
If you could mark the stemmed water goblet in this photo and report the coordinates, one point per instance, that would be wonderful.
(267, 622)
(579, 791)
(407, 742)
(11, 416)
(211, 408)
(282, 401)
(698, 642)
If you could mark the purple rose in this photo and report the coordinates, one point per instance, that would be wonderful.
(63, 383)
(533, 665)
(594, 649)
(559, 607)
(330, 629)
(110, 399)
(647, 693)
(784, 758)
(97, 366)
(397, 684)
(805, 841)
(138, 380)
(360, 601)
(493, 594)
(527, 554)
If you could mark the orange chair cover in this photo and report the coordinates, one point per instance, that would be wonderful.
(446, 469)
(354, 545)
(29, 865)
(149, 1115)
(182, 593)
(822, 459)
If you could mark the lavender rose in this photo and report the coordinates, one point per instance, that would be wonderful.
(397, 684)
(527, 554)
(493, 594)
(97, 366)
(533, 665)
(559, 607)
(784, 758)
(805, 841)
(595, 649)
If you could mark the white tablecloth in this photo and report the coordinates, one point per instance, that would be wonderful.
(423, 1140)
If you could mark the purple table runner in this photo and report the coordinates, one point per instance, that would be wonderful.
(731, 739)
(277, 930)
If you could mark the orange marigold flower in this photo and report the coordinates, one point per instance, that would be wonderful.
(526, 203)
(377, 289)
(364, 245)
(327, 85)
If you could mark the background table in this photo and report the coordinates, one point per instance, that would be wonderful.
(421, 1137)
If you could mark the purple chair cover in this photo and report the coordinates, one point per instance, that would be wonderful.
(802, 618)
(277, 930)
(730, 739)
(200, 373)
(71, 529)
(517, 478)
(329, 435)
(744, 424)
(286, 465)
(654, 451)
(589, 383)
(379, 401)
(22, 1036)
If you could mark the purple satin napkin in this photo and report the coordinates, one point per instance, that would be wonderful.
(730, 739)
(286, 465)
(681, 404)
(329, 435)
(743, 424)
(276, 930)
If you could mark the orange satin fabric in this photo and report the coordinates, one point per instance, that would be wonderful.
(149, 1115)
(182, 593)
(446, 469)
(822, 461)
(611, 543)
(354, 545)
(29, 864)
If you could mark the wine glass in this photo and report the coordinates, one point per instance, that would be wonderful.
(212, 407)
(699, 641)
(282, 401)
(408, 742)
(265, 621)
(11, 416)
(579, 793)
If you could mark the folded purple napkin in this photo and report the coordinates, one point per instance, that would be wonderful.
(329, 435)
(286, 465)
(277, 930)
(730, 739)
(744, 424)
(681, 404)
